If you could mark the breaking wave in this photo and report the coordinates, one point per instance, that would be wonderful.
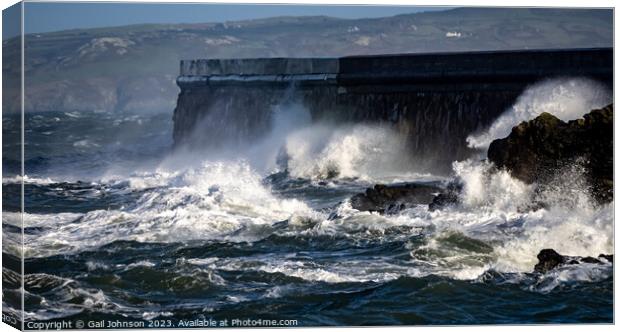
(217, 200)
(519, 220)
(356, 152)
(495, 228)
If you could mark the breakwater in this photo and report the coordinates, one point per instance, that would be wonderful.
(434, 101)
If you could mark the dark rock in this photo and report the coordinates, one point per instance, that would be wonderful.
(537, 148)
(549, 259)
(393, 198)
(591, 260)
(447, 197)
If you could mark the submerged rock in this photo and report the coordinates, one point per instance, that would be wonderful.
(393, 198)
(549, 259)
(535, 149)
(447, 197)
(609, 258)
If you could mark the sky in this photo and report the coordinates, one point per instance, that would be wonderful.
(46, 17)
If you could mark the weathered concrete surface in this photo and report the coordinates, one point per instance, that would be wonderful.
(434, 100)
(423, 69)
(266, 66)
(476, 67)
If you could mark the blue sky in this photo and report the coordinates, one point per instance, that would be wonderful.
(45, 17)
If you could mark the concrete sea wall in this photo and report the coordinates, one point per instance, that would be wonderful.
(433, 100)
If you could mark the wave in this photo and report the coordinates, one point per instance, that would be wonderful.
(312, 150)
(500, 210)
(500, 223)
(363, 152)
(215, 201)
(494, 228)
(566, 98)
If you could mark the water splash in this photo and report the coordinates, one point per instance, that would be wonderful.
(222, 196)
(354, 152)
(500, 210)
(567, 99)
(486, 188)
(218, 200)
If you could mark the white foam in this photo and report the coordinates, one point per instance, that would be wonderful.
(27, 180)
(485, 188)
(186, 198)
(492, 211)
(228, 201)
(343, 271)
(215, 201)
(85, 143)
(570, 274)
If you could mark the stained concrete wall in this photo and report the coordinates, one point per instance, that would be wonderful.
(266, 66)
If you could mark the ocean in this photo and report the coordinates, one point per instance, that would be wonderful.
(121, 227)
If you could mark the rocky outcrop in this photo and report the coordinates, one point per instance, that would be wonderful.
(447, 197)
(536, 149)
(394, 198)
(549, 259)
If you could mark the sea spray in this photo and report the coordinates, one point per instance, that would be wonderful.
(210, 232)
(287, 118)
(569, 221)
(218, 200)
(261, 153)
(324, 151)
(566, 98)
(305, 149)
(224, 198)
(487, 188)
(518, 220)
(559, 213)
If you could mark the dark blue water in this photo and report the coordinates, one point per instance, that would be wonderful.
(120, 227)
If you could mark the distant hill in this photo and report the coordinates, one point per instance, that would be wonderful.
(133, 68)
